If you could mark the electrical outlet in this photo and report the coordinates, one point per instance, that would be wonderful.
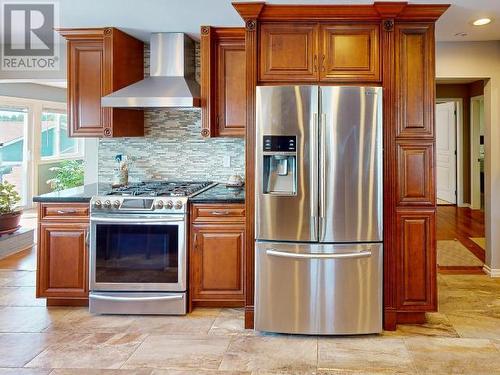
(226, 161)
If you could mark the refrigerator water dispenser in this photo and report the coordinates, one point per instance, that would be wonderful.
(279, 165)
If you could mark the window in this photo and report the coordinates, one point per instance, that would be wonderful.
(55, 142)
(13, 125)
(36, 147)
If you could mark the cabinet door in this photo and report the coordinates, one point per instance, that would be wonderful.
(417, 259)
(85, 77)
(350, 53)
(415, 80)
(288, 52)
(217, 263)
(231, 88)
(62, 260)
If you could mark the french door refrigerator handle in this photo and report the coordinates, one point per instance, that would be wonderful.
(322, 162)
(314, 178)
(284, 254)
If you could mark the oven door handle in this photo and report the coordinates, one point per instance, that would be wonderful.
(136, 299)
(136, 220)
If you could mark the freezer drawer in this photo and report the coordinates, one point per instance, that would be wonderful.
(318, 288)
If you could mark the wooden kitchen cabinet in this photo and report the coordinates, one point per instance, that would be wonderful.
(324, 52)
(350, 52)
(288, 52)
(417, 257)
(217, 255)
(62, 259)
(100, 61)
(223, 88)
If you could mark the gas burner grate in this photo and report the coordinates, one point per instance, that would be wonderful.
(160, 189)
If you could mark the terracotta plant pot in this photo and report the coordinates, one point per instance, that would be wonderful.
(9, 222)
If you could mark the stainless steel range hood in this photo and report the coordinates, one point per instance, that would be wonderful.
(172, 77)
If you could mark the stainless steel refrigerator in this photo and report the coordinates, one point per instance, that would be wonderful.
(319, 261)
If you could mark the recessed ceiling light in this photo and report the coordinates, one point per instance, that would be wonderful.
(461, 34)
(481, 22)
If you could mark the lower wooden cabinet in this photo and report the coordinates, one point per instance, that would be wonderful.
(217, 257)
(417, 259)
(62, 269)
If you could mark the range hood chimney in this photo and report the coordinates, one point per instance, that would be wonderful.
(172, 77)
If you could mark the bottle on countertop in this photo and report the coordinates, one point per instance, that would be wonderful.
(120, 177)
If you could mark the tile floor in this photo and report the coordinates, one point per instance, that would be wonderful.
(462, 338)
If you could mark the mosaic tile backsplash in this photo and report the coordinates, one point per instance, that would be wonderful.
(173, 147)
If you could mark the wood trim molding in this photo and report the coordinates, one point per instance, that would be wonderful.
(249, 10)
(379, 10)
(207, 86)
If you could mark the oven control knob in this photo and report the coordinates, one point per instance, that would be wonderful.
(116, 204)
(159, 205)
(107, 204)
(178, 205)
(170, 205)
(97, 204)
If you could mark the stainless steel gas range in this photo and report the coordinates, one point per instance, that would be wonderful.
(138, 251)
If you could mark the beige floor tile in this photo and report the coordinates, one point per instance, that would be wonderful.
(23, 296)
(170, 351)
(437, 325)
(476, 324)
(26, 278)
(91, 351)
(16, 319)
(24, 371)
(82, 321)
(197, 372)
(230, 322)
(450, 301)
(471, 282)
(271, 353)
(172, 325)
(17, 349)
(453, 356)
(364, 354)
(9, 277)
(80, 371)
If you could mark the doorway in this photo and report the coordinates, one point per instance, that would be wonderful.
(446, 152)
(460, 217)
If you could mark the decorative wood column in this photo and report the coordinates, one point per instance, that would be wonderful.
(250, 12)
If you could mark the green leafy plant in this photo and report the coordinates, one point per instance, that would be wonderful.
(69, 173)
(9, 198)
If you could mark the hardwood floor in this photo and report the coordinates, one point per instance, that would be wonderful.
(461, 223)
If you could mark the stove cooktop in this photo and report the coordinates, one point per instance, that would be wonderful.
(160, 189)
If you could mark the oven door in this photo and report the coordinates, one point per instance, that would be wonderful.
(134, 252)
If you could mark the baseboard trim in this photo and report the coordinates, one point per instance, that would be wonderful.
(492, 272)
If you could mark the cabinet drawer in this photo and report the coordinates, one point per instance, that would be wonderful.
(210, 213)
(66, 211)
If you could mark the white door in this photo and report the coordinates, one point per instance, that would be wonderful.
(446, 159)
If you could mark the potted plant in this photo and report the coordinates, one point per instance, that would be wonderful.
(10, 215)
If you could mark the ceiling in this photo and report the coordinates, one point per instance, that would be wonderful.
(140, 18)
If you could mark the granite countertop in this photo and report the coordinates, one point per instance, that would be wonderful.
(220, 194)
(80, 194)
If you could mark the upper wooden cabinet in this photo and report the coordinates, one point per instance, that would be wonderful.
(414, 47)
(223, 78)
(100, 61)
(326, 52)
(350, 53)
(288, 52)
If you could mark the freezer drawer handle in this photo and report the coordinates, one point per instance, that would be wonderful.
(136, 299)
(361, 254)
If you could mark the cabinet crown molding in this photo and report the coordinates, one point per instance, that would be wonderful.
(375, 12)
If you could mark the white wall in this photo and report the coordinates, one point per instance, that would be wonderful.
(481, 60)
